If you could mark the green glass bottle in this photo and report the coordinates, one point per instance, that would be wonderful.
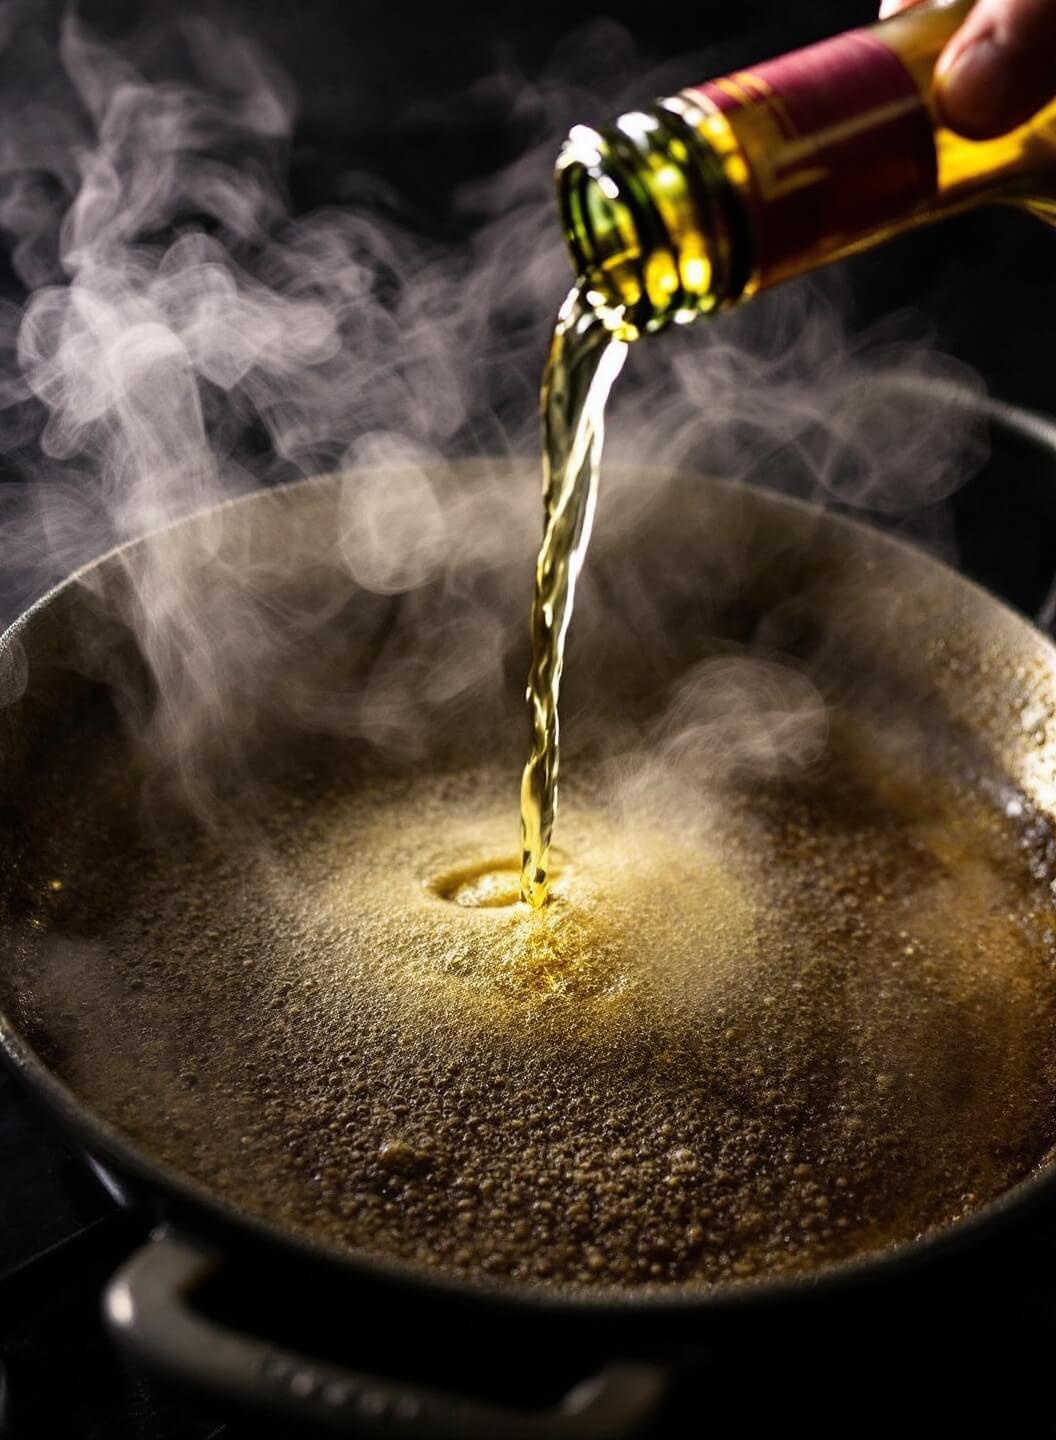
(732, 186)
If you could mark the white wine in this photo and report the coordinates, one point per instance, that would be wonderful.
(585, 359)
(698, 204)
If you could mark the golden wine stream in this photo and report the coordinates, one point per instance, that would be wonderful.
(585, 359)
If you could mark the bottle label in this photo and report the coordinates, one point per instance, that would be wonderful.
(839, 143)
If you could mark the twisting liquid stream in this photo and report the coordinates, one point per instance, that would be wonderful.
(585, 359)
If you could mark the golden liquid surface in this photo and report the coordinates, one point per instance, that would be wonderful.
(585, 360)
(774, 1028)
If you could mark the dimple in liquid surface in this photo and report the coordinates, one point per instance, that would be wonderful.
(585, 359)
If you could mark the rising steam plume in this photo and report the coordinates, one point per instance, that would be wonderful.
(185, 338)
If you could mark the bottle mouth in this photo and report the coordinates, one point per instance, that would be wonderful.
(645, 213)
(603, 227)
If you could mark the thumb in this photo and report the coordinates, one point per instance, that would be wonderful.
(998, 69)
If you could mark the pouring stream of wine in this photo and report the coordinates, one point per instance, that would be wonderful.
(585, 359)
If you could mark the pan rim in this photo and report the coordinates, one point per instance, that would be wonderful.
(107, 1144)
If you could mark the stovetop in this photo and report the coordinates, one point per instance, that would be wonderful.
(61, 1237)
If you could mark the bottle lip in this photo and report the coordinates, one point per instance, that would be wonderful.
(627, 232)
(610, 226)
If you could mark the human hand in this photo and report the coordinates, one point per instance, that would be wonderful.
(999, 68)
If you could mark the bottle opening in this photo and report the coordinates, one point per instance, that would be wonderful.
(600, 222)
(650, 220)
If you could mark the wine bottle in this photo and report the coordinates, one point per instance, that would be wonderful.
(732, 186)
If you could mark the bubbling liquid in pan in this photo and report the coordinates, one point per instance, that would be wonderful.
(743, 1027)
(815, 1021)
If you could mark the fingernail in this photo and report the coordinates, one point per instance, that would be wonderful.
(974, 88)
(889, 8)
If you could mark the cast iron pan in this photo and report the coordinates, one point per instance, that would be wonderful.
(61, 666)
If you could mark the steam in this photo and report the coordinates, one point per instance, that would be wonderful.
(185, 339)
(744, 715)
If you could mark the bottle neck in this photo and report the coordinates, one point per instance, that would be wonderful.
(747, 180)
(652, 219)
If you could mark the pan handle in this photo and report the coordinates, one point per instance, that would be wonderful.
(148, 1308)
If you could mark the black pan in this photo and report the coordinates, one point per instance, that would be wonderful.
(948, 681)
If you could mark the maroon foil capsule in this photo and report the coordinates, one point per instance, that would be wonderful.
(840, 140)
